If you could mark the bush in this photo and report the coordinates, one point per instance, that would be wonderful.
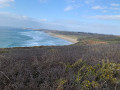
(97, 77)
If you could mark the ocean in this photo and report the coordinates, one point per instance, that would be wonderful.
(16, 37)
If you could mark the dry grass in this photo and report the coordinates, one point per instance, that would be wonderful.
(92, 42)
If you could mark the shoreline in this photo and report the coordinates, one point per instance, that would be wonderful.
(65, 37)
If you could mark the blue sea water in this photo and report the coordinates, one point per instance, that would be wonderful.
(14, 37)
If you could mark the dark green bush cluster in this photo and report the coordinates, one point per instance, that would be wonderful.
(97, 77)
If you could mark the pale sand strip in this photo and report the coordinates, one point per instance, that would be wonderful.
(65, 37)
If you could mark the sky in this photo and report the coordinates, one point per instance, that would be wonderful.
(96, 16)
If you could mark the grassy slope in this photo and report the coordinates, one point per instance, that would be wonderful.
(60, 67)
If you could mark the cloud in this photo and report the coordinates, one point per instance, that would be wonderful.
(115, 4)
(77, 26)
(5, 3)
(87, 2)
(68, 8)
(98, 7)
(44, 20)
(115, 8)
(15, 16)
(107, 17)
(14, 20)
(72, 4)
(71, 1)
(43, 1)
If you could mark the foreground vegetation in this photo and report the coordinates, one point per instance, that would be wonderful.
(75, 67)
(88, 77)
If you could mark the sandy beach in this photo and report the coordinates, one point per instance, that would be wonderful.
(65, 37)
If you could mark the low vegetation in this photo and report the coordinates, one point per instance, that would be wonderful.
(88, 77)
(74, 67)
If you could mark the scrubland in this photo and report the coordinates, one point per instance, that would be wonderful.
(91, 64)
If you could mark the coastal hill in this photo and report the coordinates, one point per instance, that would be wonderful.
(92, 62)
(83, 37)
